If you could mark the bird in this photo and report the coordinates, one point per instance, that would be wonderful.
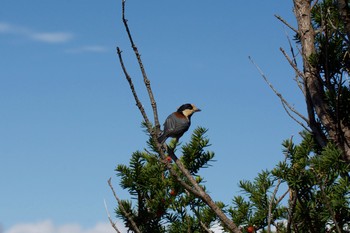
(178, 122)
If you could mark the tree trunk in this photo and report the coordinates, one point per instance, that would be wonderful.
(314, 89)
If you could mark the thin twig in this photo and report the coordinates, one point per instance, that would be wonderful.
(131, 85)
(294, 66)
(285, 22)
(293, 118)
(291, 49)
(126, 214)
(279, 95)
(282, 197)
(143, 71)
(110, 219)
(293, 63)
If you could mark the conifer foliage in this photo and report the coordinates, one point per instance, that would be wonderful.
(158, 202)
(318, 191)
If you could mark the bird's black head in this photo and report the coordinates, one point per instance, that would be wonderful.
(184, 107)
(187, 110)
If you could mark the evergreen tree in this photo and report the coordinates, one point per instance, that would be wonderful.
(316, 171)
(161, 203)
(319, 196)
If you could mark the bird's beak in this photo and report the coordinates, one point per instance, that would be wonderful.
(197, 110)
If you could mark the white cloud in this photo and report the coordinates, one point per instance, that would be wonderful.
(47, 37)
(4, 27)
(48, 227)
(52, 37)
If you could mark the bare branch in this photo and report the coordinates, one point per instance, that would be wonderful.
(279, 95)
(291, 49)
(294, 66)
(128, 215)
(287, 24)
(293, 118)
(131, 85)
(282, 197)
(142, 68)
(110, 219)
(293, 63)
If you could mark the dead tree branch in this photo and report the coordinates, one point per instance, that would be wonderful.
(128, 215)
(293, 64)
(144, 75)
(285, 103)
(132, 88)
(286, 23)
(110, 219)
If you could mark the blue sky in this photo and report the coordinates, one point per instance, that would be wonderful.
(67, 117)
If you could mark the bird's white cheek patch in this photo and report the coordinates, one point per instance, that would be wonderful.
(187, 112)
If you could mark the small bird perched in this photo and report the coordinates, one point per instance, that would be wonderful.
(178, 122)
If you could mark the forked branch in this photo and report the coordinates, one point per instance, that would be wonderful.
(288, 108)
(132, 88)
(192, 186)
(114, 225)
(143, 71)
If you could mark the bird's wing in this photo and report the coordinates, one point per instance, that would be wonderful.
(176, 123)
